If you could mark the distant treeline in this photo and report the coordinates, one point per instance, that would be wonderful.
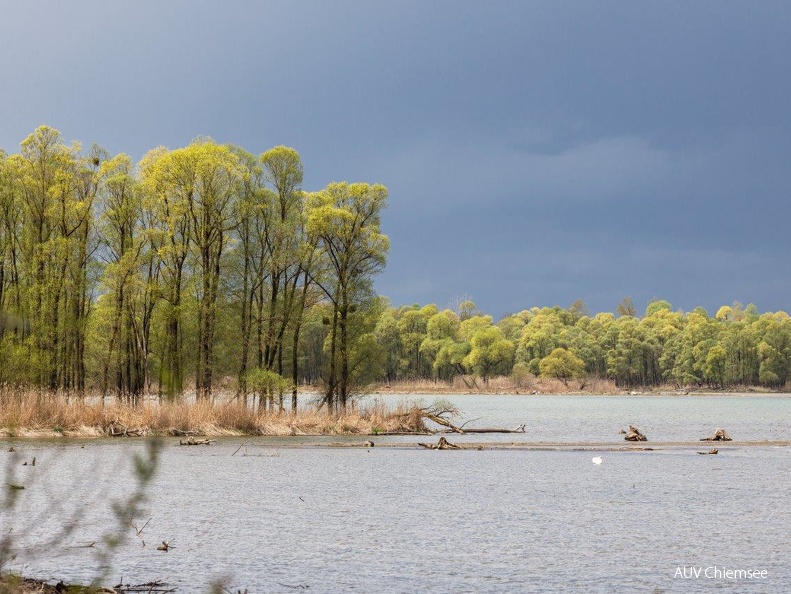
(206, 267)
(736, 347)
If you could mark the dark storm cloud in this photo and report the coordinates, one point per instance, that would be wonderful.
(535, 152)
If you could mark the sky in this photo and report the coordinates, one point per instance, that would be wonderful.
(535, 153)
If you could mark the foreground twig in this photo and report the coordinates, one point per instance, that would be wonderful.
(139, 531)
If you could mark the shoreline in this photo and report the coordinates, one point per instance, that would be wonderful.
(46, 416)
(663, 394)
(577, 446)
(293, 442)
(506, 386)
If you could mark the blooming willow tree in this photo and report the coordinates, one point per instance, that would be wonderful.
(345, 220)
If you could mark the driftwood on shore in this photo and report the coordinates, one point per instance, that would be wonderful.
(442, 444)
(451, 428)
(23, 584)
(181, 433)
(437, 417)
(634, 435)
(440, 413)
(192, 441)
(155, 587)
(520, 429)
(719, 435)
(115, 429)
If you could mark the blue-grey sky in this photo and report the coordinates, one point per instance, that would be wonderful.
(536, 153)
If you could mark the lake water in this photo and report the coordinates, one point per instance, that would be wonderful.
(271, 517)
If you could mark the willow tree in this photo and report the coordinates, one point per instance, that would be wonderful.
(167, 183)
(54, 190)
(277, 258)
(10, 234)
(218, 177)
(196, 186)
(345, 220)
(38, 166)
(248, 222)
(489, 351)
(126, 254)
(283, 172)
(77, 227)
(442, 332)
(562, 364)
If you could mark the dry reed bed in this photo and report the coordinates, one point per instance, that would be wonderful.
(503, 385)
(31, 414)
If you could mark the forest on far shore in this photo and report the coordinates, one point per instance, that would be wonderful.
(208, 268)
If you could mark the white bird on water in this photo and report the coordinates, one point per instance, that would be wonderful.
(597, 460)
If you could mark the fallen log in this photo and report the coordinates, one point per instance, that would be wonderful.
(181, 433)
(520, 429)
(635, 435)
(445, 423)
(442, 444)
(119, 430)
(719, 435)
(153, 587)
(192, 441)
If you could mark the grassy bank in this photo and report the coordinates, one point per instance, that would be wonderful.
(31, 414)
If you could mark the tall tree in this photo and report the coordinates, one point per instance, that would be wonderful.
(57, 188)
(288, 255)
(196, 185)
(626, 308)
(168, 183)
(126, 251)
(345, 218)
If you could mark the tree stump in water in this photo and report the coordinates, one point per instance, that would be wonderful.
(442, 444)
(719, 435)
(635, 435)
(165, 546)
